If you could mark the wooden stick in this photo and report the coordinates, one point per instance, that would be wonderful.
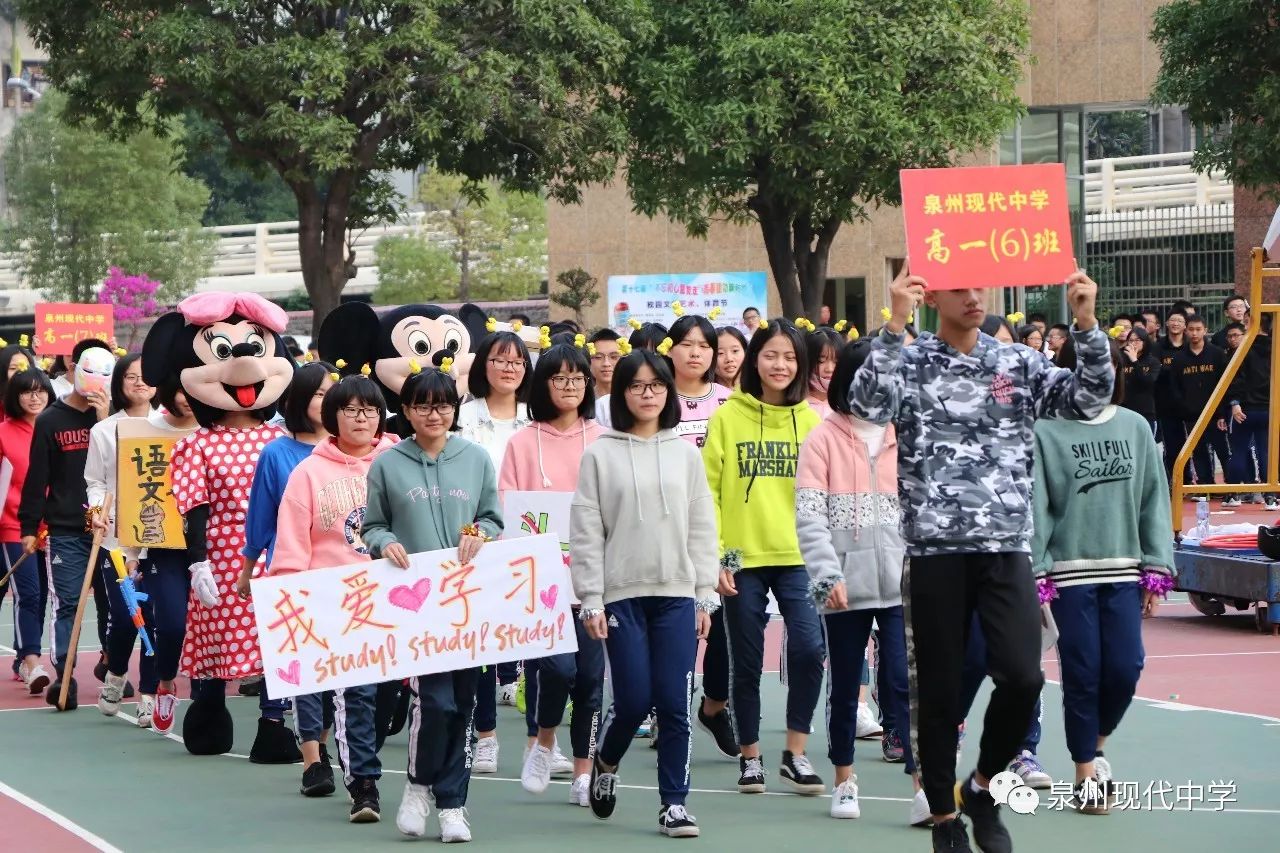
(16, 566)
(86, 592)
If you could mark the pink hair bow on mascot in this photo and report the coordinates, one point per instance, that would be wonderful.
(224, 350)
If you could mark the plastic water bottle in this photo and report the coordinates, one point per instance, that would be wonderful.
(1202, 518)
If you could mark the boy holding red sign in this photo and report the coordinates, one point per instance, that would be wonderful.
(964, 406)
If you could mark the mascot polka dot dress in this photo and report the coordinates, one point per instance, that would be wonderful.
(215, 466)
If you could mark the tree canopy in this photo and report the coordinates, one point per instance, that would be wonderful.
(797, 116)
(239, 193)
(1221, 58)
(335, 95)
(84, 202)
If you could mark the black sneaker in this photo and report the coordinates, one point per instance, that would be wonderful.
(100, 668)
(317, 780)
(365, 807)
(602, 795)
(797, 774)
(675, 822)
(721, 731)
(128, 690)
(988, 829)
(950, 837)
(51, 695)
(1092, 797)
(752, 779)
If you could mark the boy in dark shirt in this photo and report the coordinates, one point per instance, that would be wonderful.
(1196, 371)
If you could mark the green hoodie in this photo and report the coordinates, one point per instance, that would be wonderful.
(424, 503)
(751, 454)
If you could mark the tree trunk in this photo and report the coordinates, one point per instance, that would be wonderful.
(322, 247)
(775, 226)
(811, 264)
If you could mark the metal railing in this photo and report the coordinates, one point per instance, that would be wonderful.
(1150, 181)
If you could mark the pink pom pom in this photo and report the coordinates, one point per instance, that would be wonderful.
(1157, 582)
(1047, 589)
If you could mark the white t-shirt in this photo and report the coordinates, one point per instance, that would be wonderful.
(872, 435)
(489, 432)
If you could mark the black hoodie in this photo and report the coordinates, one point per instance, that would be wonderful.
(1195, 377)
(1252, 385)
(55, 491)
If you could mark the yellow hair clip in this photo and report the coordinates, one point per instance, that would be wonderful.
(335, 377)
(677, 309)
(517, 325)
(414, 367)
(854, 334)
(307, 358)
(839, 327)
(579, 340)
(491, 325)
(665, 347)
(341, 364)
(3, 343)
(635, 324)
(591, 350)
(120, 352)
(885, 314)
(23, 340)
(714, 313)
(446, 364)
(1015, 318)
(366, 370)
(805, 323)
(1115, 331)
(46, 363)
(624, 347)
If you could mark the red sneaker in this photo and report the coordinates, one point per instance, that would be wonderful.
(165, 708)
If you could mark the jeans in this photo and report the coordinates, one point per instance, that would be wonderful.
(440, 734)
(68, 561)
(745, 618)
(354, 730)
(30, 597)
(846, 636)
(578, 676)
(652, 647)
(940, 594)
(975, 672)
(1253, 431)
(1101, 656)
(169, 586)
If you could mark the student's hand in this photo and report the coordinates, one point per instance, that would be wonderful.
(100, 403)
(131, 566)
(726, 585)
(396, 553)
(99, 524)
(703, 622)
(1082, 297)
(597, 627)
(1238, 415)
(839, 598)
(242, 585)
(906, 292)
(1149, 602)
(468, 547)
(1222, 424)
(29, 544)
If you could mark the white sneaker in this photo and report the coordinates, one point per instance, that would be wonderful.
(486, 757)
(110, 695)
(535, 776)
(411, 819)
(37, 679)
(1028, 769)
(844, 799)
(454, 826)
(561, 764)
(1102, 769)
(920, 813)
(580, 791)
(146, 707)
(507, 694)
(867, 725)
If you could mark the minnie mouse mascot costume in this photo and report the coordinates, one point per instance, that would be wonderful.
(225, 351)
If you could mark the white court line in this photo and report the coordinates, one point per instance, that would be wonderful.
(61, 820)
(1173, 705)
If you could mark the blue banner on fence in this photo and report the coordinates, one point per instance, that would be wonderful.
(648, 298)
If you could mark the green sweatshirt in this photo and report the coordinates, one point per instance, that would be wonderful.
(751, 454)
(424, 503)
(1101, 502)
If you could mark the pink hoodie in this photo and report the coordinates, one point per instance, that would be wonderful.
(540, 458)
(322, 510)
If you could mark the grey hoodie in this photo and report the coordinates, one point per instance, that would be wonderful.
(643, 522)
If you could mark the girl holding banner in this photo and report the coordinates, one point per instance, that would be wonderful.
(437, 491)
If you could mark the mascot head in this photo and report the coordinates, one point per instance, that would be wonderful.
(226, 353)
(353, 335)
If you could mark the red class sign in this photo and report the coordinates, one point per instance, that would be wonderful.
(988, 226)
(62, 325)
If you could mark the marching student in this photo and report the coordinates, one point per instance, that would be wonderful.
(545, 456)
(644, 565)
(1173, 429)
(847, 522)
(319, 521)
(731, 349)
(1102, 553)
(964, 406)
(752, 447)
(499, 385)
(690, 349)
(823, 347)
(1195, 374)
(398, 523)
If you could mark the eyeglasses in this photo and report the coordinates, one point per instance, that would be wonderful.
(504, 364)
(564, 382)
(611, 358)
(34, 392)
(639, 389)
(136, 379)
(368, 413)
(424, 409)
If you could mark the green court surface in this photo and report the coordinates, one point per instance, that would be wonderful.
(104, 784)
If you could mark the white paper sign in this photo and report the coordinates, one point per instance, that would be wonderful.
(536, 513)
(372, 622)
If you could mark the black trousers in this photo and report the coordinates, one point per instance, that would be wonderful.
(940, 595)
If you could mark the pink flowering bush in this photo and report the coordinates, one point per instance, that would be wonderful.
(133, 298)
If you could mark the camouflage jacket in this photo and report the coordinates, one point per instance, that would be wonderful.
(965, 424)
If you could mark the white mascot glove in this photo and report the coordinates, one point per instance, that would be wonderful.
(203, 584)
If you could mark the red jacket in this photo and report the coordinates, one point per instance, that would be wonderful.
(15, 455)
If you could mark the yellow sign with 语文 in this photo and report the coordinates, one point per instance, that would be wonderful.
(146, 511)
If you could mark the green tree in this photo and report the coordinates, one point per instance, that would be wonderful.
(238, 193)
(797, 116)
(578, 291)
(489, 244)
(83, 202)
(335, 95)
(1220, 58)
